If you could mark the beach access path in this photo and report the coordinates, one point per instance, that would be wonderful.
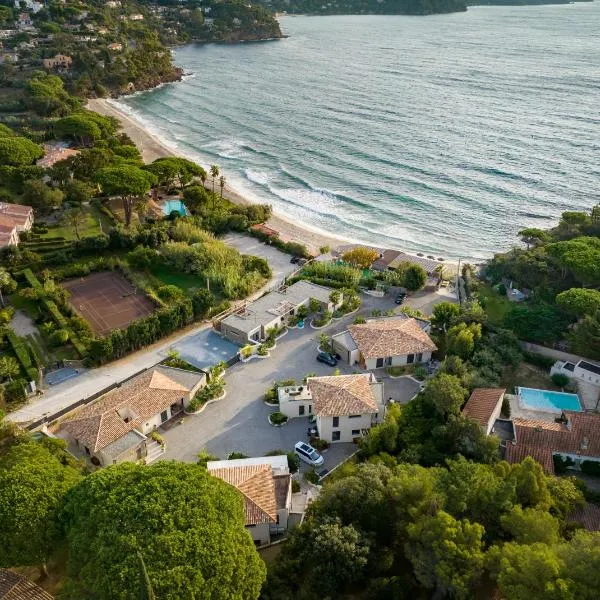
(151, 148)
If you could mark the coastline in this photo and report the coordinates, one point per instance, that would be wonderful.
(151, 148)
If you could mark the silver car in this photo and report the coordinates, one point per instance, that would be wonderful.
(308, 454)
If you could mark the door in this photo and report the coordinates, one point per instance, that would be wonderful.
(379, 363)
(301, 410)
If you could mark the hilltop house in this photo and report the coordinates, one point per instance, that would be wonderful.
(60, 62)
(385, 342)
(17, 587)
(116, 427)
(484, 406)
(14, 219)
(266, 486)
(252, 322)
(346, 406)
(576, 437)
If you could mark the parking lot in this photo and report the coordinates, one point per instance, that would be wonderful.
(239, 422)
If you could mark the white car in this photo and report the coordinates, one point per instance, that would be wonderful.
(308, 454)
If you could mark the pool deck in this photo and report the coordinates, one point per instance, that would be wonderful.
(517, 411)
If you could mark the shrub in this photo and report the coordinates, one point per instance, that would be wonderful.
(246, 351)
(295, 486)
(213, 389)
(359, 320)
(278, 418)
(329, 271)
(420, 373)
(560, 380)
(319, 444)
(60, 337)
(561, 465)
(236, 455)
(15, 391)
(263, 350)
(20, 350)
(322, 319)
(505, 410)
(590, 467)
(312, 476)
(158, 438)
(538, 360)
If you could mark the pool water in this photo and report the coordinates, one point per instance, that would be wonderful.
(168, 206)
(547, 401)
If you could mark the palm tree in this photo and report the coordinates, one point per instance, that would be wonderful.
(203, 175)
(214, 171)
(222, 184)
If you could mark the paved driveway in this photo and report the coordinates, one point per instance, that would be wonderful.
(278, 261)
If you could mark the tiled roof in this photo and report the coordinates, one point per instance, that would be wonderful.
(282, 489)
(99, 424)
(256, 484)
(539, 439)
(342, 395)
(379, 338)
(17, 587)
(14, 215)
(588, 515)
(482, 404)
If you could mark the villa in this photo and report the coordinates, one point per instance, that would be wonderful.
(17, 587)
(266, 486)
(586, 375)
(576, 437)
(118, 427)
(385, 342)
(59, 62)
(252, 322)
(484, 406)
(345, 406)
(14, 219)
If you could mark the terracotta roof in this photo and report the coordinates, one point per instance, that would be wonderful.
(539, 439)
(100, 424)
(482, 404)
(588, 515)
(14, 215)
(256, 484)
(342, 395)
(16, 587)
(380, 338)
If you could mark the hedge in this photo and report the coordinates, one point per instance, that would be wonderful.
(22, 354)
(31, 279)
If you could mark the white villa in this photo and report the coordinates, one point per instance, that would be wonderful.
(266, 486)
(385, 342)
(345, 406)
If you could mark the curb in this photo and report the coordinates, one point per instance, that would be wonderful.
(207, 403)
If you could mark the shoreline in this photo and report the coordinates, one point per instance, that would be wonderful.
(151, 148)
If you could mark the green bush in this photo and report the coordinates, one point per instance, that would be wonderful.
(20, 349)
(213, 389)
(505, 410)
(278, 418)
(590, 467)
(312, 476)
(319, 444)
(322, 319)
(560, 380)
(295, 486)
(538, 360)
(236, 455)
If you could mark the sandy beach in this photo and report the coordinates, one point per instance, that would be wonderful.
(152, 148)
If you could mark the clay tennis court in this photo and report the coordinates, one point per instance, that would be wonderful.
(107, 301)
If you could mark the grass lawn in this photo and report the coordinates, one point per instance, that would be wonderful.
(96, 223)
(184, 281)
(496, 306)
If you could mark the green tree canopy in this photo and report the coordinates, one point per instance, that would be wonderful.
(581, 256)
(361, 257)
(579, 301)
(128, 182)
(446, 393)
(414, 277)
(530, 525)
(33, 483)
(19, 151)
(41, 196)
(585, 337)
(444, 315)
(461, 338)
(189, 525)
(83, 130)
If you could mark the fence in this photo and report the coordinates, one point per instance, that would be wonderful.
(551, 352)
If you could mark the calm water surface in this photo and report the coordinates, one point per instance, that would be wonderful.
(442, 134)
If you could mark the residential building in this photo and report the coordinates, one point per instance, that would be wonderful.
(385, 342)
(252, 322)
(116, 427)
(24, 21)
(31, 5)
(577, 437)
(345, 406)
(9, 58)
(17, 587)
(14, 218)
(115, 46)
(7, 33)
(266, 486)
(584, 370)
(59, 62)
(484, 406)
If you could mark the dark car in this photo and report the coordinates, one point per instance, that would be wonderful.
(294, 259)
(400, 298)
(326, 358)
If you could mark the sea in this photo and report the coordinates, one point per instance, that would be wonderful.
(443, 134)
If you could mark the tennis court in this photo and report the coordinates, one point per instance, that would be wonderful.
(107, 301)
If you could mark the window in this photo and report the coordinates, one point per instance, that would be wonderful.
(336, 422)
(164, 415)
(310, 409)
(388, 361)
(379, 363)
(335, 436)
(301, 410)
(356, 432)
(410, 359)
(354, 416)
(420, 357)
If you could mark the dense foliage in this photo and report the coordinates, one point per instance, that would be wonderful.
(188, 525)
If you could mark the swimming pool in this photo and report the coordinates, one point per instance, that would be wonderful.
(547, 401)
(169, 206)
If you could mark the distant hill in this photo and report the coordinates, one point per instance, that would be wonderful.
(366, 7)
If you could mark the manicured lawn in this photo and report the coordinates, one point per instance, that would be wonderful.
(96, 222)
(181, 280)
(496, 306)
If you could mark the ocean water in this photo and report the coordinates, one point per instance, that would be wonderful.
(443, 134)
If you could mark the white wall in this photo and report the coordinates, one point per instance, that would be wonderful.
(495, 415)
(260, 533)
(346, 426)
(290, 409)
(397, 361)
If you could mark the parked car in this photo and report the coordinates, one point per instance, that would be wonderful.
(400, 298)
(326, 358)
(308, 454)
(294, 260)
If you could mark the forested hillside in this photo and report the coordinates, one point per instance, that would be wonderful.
(366, 7)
